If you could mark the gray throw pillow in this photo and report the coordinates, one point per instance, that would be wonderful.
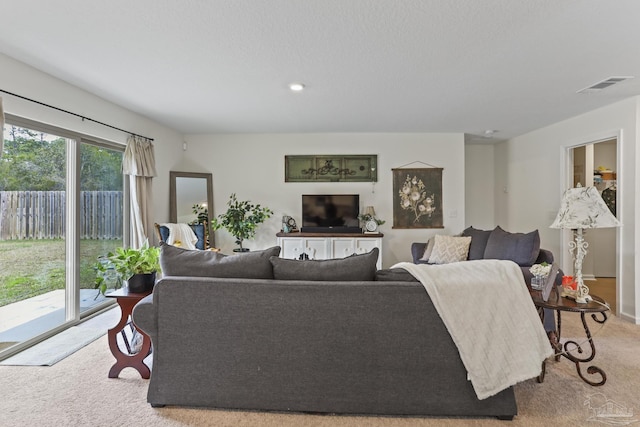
(352, 268)
(479, 239)
(520, 248)
(249, 265)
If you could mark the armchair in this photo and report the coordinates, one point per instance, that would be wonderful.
(200, 230)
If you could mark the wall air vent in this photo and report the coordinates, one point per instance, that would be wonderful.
(604, 84)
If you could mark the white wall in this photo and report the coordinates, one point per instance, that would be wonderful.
(479, 186)
(527, 181)
(533, 169)
(21, 79)
(252, 166)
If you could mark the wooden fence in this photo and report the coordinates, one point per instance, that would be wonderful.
(41, 215)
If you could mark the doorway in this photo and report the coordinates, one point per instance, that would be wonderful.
(595, 164)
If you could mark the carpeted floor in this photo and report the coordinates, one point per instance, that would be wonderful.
(77, 392)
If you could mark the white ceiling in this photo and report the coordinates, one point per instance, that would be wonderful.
(223, 66)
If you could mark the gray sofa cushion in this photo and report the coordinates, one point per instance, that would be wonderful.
(394, 275)
(352, 268)
(479, 239)
(176, 261)
(520, 248)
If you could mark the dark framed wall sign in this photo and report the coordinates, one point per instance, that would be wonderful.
(417, 198)
(331, 168)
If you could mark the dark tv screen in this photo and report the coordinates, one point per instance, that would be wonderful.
(330, 210)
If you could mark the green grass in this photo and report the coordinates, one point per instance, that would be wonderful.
(33, 267)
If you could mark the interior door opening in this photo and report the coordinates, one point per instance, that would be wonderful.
(596, 164)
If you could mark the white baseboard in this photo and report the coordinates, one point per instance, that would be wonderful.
(630, 318)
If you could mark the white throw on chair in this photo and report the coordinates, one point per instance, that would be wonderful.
(182, 233)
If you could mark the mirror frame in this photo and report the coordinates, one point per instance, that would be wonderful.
(173, 208)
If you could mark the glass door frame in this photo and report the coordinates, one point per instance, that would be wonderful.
(73, 315)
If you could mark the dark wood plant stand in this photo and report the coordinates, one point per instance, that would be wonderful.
(572, 349)
(129, 359)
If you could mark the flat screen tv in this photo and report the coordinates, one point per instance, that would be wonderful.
(330, 213)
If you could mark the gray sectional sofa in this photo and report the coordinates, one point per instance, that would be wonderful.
(521, 248)
(280, 340)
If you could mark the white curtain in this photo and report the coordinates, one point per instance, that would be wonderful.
(139, 163)
(1, 128)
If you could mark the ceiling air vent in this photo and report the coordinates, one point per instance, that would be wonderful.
(604, 84)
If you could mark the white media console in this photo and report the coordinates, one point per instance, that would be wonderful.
(328, 245)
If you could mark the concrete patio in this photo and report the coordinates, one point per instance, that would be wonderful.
(26, 319)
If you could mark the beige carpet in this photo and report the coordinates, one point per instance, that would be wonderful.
(77, 392)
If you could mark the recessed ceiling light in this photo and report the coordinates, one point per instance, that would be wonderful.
(296, 87)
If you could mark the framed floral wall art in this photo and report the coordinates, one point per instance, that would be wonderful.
(417, 198)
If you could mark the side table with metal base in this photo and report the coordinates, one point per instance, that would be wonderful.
(129, 359)
(572, 349)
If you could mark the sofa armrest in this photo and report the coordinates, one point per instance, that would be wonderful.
(544, 256)
(417, 250)
(144, 315)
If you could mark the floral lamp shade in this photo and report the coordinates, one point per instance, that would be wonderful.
(583, 207)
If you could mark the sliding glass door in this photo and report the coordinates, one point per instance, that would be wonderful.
(61, 207)
(32, 234)
(101, 213)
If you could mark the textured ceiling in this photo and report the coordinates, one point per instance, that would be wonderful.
(222, 66)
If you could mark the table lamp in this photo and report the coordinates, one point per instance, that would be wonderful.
(582, 207)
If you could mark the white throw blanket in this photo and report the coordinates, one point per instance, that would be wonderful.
(182, 233)
(488, 312)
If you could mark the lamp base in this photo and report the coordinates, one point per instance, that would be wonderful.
(584, 299)
(571, 294)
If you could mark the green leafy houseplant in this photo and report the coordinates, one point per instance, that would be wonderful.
(241, 219)
(202, 214)
(124, 263)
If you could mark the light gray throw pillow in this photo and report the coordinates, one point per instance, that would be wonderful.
(448, 249)
(428, 249)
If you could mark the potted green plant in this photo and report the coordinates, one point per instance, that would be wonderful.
(202, 214)
(138, 267)
(241, 220)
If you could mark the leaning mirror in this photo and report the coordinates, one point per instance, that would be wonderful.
(191, 198)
